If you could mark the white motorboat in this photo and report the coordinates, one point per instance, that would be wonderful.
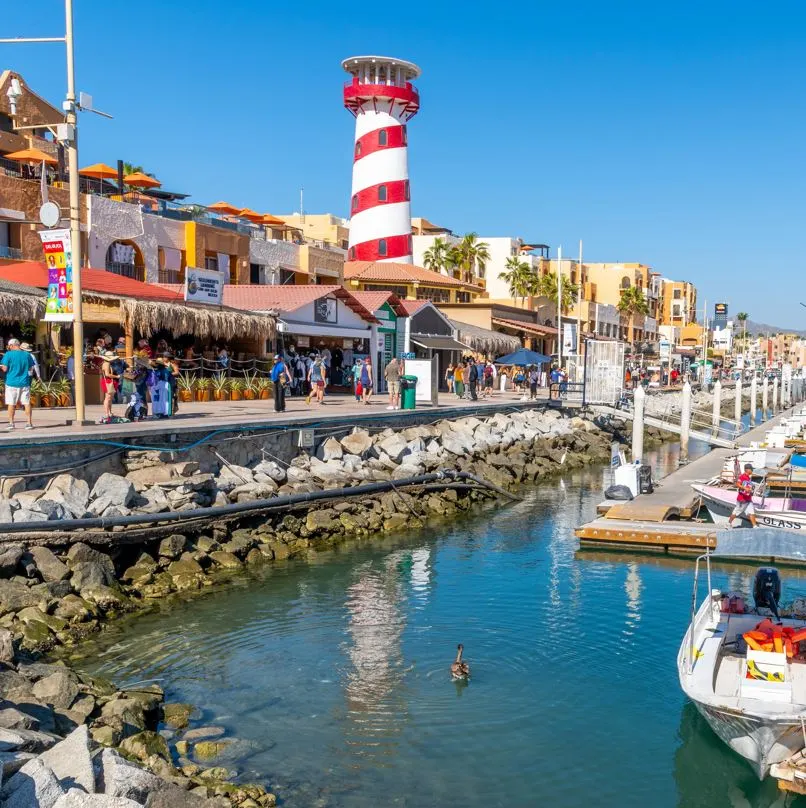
(750, 690)
(781, 513)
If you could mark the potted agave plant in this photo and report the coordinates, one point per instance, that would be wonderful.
(220, 387)
(236, 389)
(186, 382)
(61, 392)
(203, 386)
(250, 389)
(264, 388)
(47, 394)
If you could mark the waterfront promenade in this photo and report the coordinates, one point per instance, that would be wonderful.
(51, 424)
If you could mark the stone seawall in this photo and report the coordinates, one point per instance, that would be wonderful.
(51, 596)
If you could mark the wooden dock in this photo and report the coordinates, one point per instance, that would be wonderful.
(663, 521)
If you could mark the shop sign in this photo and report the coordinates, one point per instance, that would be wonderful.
(347, 344)
(720, 315)
(303, 342)
(204, 286)
(325, 310)
(58, 251)
(569, 338)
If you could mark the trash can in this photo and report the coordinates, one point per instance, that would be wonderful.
(408, 392)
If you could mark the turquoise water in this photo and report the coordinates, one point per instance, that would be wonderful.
(333, 673)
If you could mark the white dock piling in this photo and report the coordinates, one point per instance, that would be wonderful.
(775, 395)
(685, 421)
(716, 413)
(753, 400)
(638, 424)
(737, 403)
(765, 398)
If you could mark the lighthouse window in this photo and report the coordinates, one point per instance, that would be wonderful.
(382, 137)
(406, 190)
(355, 201)
(381, 193)
(405, 136)
(358, 148)
(382, 246)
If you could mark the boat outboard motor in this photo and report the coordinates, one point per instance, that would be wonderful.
(767, 589)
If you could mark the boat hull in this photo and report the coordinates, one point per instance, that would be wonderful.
(761, 741)
(770, 514)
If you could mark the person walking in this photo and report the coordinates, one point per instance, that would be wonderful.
(392, 375)
(279, 377)
(35, 372)
(488, 373)
(458, 381)
(109, 385)
(317, 377)
(172, 367)
(475, 370)
(533, 377)
(366, 381)
(18, 367)
(449, 377)
(744, 499)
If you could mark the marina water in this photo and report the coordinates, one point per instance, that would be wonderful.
(333, 674)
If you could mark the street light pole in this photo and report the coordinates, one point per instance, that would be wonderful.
(75, 214)
(71, 144)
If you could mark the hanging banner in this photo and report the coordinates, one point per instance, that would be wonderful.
(59, 261)
(569, 338)
(204, 286)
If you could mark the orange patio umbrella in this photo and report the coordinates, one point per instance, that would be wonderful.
(140, 180)
(273, 221)
(32, 156)
(99, 171)
(224, 207)
(252, 215)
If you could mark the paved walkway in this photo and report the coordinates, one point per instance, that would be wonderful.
(57, 423)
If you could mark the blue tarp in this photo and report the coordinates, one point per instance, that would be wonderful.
(798, 460)
(523, 357)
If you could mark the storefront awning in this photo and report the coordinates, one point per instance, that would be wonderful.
(439, 343)
(529, 328)
(308, 330)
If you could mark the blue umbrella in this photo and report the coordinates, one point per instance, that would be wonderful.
(523, 357)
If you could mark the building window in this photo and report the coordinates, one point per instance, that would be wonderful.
(407, 190)
(625, 282)
(409, 244)
(381, 193)
(434, 295)
(676, 294)
(382, 137)
(382, 246)
(211, 262)
(254, 273)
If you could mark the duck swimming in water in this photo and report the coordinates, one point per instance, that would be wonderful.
(459, 669)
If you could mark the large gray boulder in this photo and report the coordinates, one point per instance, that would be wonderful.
(110, 489)
(117, 777)
(50, 568)
(329, 449)
(33, 786)
(80, 553)
(144, 478)
(232, 476)
(176, 797)
(58, 690)
(458, 443)
(394, 446)
(271, 469)
(7, 508)
(72, 492)
(10, 556)
(6, 647)
(89, 575)
(75, 798)
(70, 761)
(25, 740)
(15, 595)
(358, 442)
(28, 515)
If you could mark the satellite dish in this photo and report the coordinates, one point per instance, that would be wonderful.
(49, 214)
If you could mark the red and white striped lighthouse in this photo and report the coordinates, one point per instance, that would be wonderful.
(383, 100)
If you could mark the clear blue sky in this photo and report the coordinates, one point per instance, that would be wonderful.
(666, 133)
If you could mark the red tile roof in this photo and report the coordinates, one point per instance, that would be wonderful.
(372, 301)
(532, 328)
(34, 273)
(412, 306)
(392, 272)
(285, 298)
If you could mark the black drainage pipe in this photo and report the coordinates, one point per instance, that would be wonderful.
(247, 507)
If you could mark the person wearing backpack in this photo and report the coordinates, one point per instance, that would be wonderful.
(488, 374)
(279, 378)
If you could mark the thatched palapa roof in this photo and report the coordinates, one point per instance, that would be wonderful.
(149, 316)
(20, 303)
(482, 340)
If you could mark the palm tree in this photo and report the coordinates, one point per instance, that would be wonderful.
(130, 168)
(435, 257)
(743, 317)
(520, 278)
(471, 256)
(547, 287)
(632, 302)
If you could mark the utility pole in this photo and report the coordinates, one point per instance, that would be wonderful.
(579, 307)
(559, 307)
(71, 144)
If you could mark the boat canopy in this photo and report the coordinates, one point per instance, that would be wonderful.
(760, 542)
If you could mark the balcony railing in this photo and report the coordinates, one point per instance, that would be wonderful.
(133, 271)
(171, 276)
(10, 252)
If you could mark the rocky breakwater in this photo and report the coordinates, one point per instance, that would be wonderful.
(51, 758)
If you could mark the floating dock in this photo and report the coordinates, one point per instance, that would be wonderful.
(663, 521)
